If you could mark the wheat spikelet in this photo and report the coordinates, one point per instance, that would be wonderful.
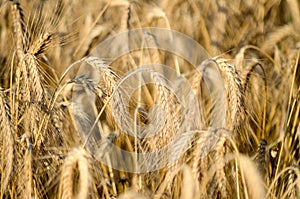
(75, 180)
(32, 68)
(19, 33)
(196, 81)
(200, 162)
(7, 148)
(168, 131)
(22, 80)
(60, 127)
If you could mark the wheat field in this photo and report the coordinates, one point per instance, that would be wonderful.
(226, 127)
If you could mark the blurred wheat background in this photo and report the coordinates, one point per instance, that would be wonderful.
(254, 154)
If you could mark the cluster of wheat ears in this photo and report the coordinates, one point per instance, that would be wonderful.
(52, 144)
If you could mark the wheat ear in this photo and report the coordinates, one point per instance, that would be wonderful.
(75, 180)
(7, 139)
(263, 159)
(39, 47)
(219, 185)
(25, 184)
(210, 163)
(234, 90)
(19, 27)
